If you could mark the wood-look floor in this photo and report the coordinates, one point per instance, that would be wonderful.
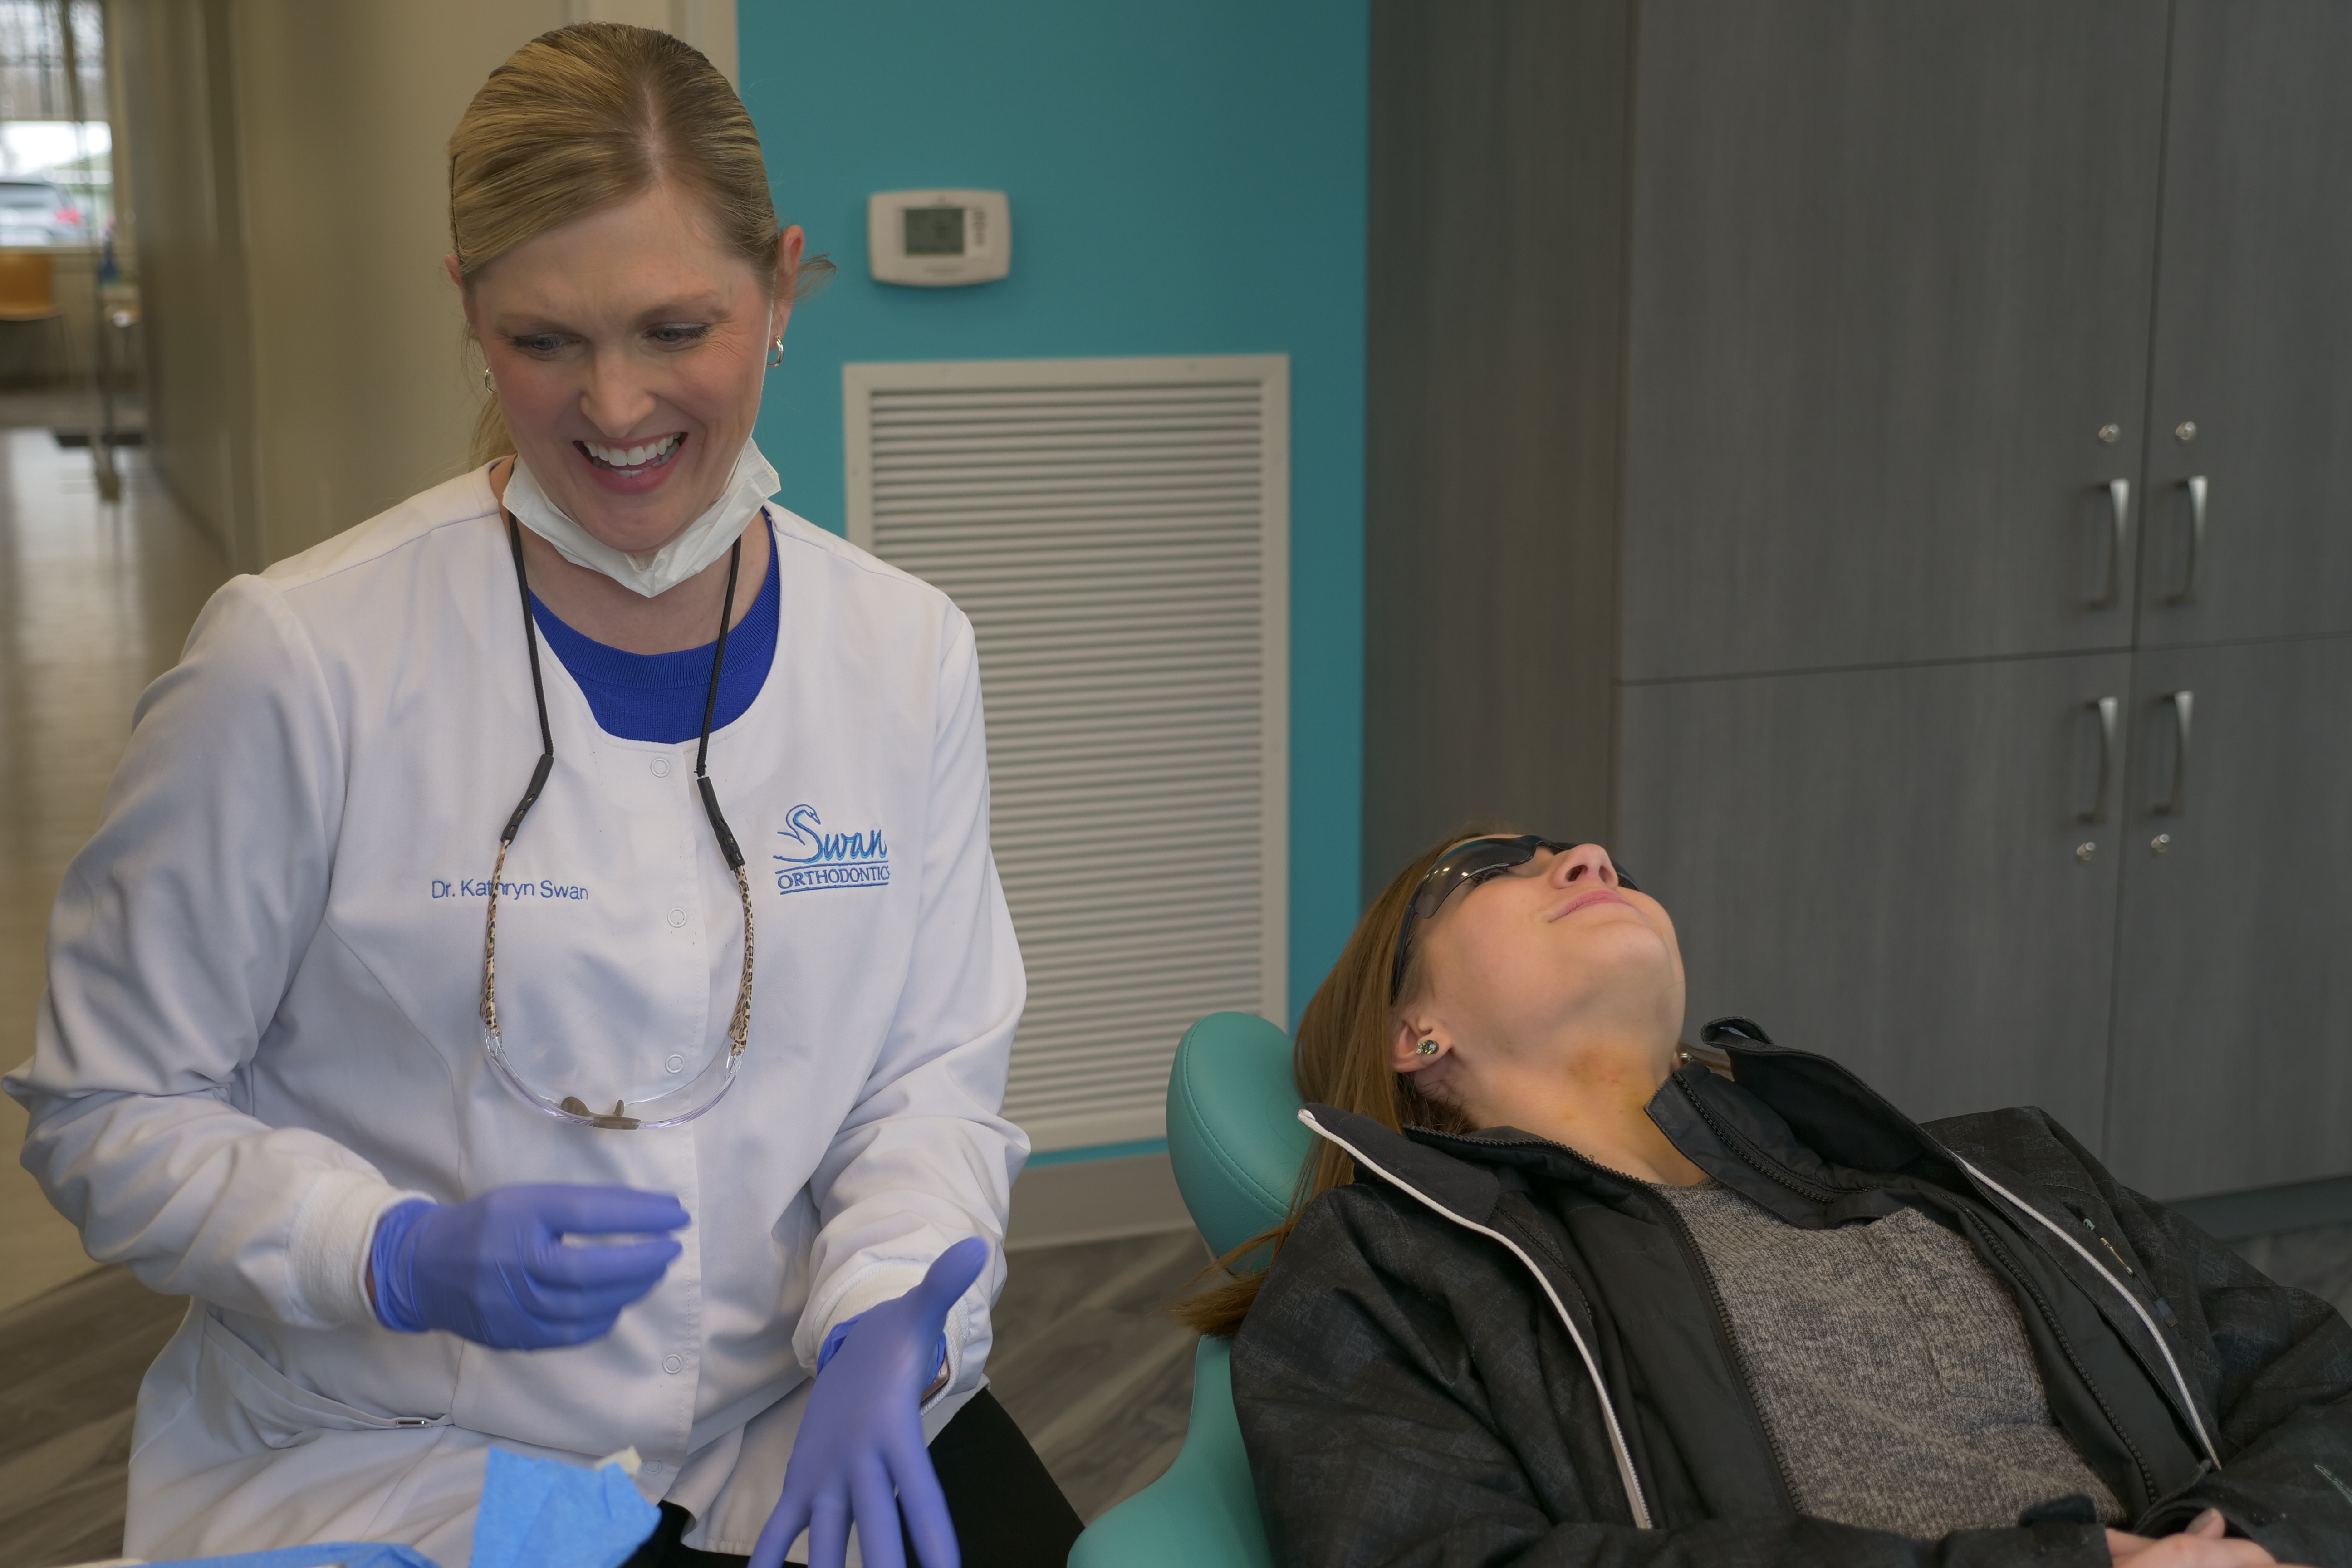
(96, 598)
(1097, 1375)
(71, 1360)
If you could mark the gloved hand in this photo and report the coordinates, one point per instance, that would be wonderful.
(494, 1268)
(861, 1435)
(840, 1331)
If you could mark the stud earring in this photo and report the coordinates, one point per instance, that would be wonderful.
(1429, 1048)
(776, 353)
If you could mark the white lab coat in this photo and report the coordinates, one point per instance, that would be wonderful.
(260, 1029)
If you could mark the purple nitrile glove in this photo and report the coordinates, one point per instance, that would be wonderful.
(861, 1438)
(840, 1331)
(495, 1269)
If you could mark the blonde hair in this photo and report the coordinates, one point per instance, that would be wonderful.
(1342, 1060)
(586, 118)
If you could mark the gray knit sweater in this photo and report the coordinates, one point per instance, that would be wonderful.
(1891, 1367)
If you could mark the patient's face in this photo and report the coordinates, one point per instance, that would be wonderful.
(1517, 961)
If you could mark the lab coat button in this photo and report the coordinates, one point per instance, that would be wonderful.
(677, 918)
(661, 767)
(675, 1064)
(674, 1364)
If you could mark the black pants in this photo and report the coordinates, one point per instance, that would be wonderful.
(1008, 1512)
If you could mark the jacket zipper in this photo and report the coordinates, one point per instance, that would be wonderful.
(2049, 1317)
(2180, 1382)
(2073, 1359)
(1624, 1454)
(1697, 1261)
(1803, 1189)
(1692, 1255)
(2164, 1348)
(2111, 1250)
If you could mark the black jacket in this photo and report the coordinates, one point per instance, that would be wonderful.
(1488, 1349)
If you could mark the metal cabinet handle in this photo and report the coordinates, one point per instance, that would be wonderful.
(2119, 501)
(2182, 702)
(2109, 709)
(2196, 489)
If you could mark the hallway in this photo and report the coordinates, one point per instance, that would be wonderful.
(95, 601)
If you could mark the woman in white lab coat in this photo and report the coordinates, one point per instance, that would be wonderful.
(343, 1042)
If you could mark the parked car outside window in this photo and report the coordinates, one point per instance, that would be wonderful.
(37, 212)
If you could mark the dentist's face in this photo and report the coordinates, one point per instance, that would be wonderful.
(628, 348)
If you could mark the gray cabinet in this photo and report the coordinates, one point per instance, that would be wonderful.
(2232, 1058)
(1883, 865)
(1490, 453)
(1902, 299)
(2253, 338)
(1876, 329)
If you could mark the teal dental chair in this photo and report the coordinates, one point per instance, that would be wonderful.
(1234, 1138)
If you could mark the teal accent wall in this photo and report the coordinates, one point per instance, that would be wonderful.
(1185, 178)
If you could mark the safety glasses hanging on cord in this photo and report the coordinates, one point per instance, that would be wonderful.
(595, 1081)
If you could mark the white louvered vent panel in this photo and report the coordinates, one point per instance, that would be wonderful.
(1117, 530)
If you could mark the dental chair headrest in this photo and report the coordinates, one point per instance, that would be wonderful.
(1232, 1131)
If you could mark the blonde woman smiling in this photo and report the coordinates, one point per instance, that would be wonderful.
(542, 978)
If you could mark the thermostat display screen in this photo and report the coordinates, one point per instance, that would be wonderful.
(937, 238)
(934, 231)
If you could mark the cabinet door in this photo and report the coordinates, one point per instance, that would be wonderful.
(2253, 329)
(2233, 1001)
(1883, 866)
(1891, 272)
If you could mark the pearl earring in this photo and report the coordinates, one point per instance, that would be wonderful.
(1429, 1048)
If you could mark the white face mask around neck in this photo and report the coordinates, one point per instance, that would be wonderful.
(695, 546)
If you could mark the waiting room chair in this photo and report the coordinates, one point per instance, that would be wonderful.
(1234, 1138)
(28, 294)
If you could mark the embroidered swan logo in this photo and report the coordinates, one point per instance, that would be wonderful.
(857, 859)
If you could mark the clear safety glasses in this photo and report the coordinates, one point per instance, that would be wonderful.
(647, 1084)
(1466, 866)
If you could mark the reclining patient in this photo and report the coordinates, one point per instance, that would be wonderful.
(1609, 1298)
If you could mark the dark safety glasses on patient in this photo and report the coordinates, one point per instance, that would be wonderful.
(645, 1085)
(1466, 866)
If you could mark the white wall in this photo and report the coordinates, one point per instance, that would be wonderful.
(290, 167)
(178, 97)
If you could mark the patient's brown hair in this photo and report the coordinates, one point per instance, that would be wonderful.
(1342, 1060)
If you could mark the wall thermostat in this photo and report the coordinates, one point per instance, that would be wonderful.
(938, 239)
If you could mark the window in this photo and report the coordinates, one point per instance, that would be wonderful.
(57, 145)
